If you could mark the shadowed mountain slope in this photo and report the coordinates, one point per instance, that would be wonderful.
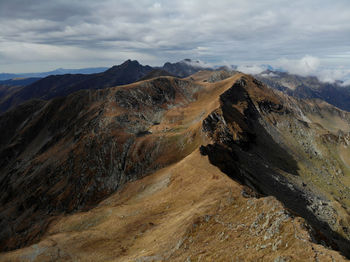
(63, 85)
(69, 153)
(19, 81)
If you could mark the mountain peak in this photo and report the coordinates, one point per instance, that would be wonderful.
(129, 62)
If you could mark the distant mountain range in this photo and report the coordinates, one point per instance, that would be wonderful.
(58, 84)
(62, 85)
(308, 87)
(59, 71)
(183, 68)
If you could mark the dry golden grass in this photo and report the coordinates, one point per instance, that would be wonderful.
(188, 210)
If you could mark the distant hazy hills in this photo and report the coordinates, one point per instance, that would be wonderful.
(59, 71)
(308, 87)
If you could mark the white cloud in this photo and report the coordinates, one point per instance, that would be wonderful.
(308, 65)
(197, 63)
(270, 74)
(253, 70)
(332, 75)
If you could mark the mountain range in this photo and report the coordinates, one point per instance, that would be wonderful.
(143, 164)
(308, 87)
(12, 92)
(63, 85)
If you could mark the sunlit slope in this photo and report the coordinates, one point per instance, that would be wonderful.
(188, 210)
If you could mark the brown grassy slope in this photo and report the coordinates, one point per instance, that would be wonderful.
(188, 210)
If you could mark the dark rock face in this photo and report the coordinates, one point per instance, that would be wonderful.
(221, 74)
(157, 93)
(237, 131)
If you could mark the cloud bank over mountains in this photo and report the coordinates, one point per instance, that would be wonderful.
(38, 35)
(306, 66)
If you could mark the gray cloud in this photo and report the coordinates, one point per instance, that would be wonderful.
(39, 35)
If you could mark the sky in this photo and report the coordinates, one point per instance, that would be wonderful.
(303, 36)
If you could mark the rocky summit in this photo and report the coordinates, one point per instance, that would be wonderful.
(217, 166)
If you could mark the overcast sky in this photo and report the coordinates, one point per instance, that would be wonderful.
(40, 35)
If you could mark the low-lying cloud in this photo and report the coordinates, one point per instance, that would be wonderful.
(305, 66)
(312, 66)
(333, 75)
(197, 63)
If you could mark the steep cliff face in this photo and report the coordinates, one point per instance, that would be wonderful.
(68, 154)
